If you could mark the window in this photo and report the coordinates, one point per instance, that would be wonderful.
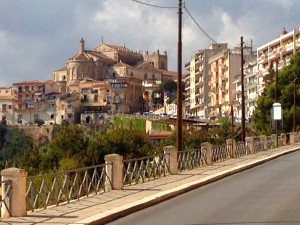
(4, 108)
(35, 117)
(19, 118)
(4, 118)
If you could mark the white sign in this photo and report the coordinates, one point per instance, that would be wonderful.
(277, 112)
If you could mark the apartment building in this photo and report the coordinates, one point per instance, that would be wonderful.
(6, 105)
(225, 69)
(250, 91)
(197, 81)
(29, 101)
(276, 53)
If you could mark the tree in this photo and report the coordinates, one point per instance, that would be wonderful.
(168, 86)
(287, 78)
(16, 141)
(68, 142)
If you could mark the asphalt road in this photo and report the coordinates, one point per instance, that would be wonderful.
(267, 194)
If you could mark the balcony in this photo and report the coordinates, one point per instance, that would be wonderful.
(262, 58)
(281, 49)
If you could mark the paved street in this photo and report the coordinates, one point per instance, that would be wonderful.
(109, 206)
(266, 194)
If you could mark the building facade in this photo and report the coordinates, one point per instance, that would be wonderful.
(197, 81)
(276, 54)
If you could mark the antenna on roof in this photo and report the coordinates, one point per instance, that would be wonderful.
(101, 39)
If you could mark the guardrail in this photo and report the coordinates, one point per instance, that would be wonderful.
(55, 188)
(144, 169)
(191, 159)
(5, 201)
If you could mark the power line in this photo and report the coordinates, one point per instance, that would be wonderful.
(174, 7)
(156, 6)
(198, 24)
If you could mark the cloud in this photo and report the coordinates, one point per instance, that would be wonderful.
(38, 37)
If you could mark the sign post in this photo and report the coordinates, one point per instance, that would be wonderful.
(277, 115)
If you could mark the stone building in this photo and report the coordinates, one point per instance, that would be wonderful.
(117, 65)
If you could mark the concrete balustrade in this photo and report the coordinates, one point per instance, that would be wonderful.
(250, 142)
(171, 156)
(233, 147)
(274, 140)
(18, 192)
(208, 147)
(293, 138)
(114, 169)
(264, 140)
(284, 139)
(114, 166)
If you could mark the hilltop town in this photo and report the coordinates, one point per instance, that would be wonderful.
(112, 79)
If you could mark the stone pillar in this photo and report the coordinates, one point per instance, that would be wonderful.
(171, 155)
(283, 137)
(274, 140)
(114, 166)
(293, 138)
(250, 143)
(233, 147)
(18, 191)
(264, 140)
(208, 147)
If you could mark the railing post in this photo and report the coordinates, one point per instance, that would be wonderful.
(250, 143)
(114, 166)
(18, 191)
(274, 140)
(264, 140)
(171, 155)
(233, 147)
(292, 138)
(283, 137)
(208, 147)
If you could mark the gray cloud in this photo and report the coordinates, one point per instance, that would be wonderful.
(38, 37)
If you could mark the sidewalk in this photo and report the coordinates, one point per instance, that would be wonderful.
(106, 207)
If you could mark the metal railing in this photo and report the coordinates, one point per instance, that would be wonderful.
(221, 153)
(258, 145)
(191, 159)
(55, 188)
(242, 149)
(144, 169)
(5, 201)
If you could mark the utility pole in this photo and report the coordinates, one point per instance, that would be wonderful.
(179, 80)
(276, 80)
(243, 94)
(294, 114)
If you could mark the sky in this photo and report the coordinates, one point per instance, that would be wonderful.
(37, 37)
